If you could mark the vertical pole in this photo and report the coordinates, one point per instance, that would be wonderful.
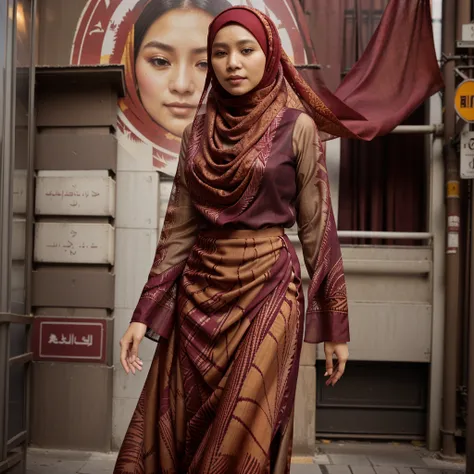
(5, 217)
(6, 163)
(452, 318)
(4, 386)
(30, 163)
(358, 28)
(438, 228)
(470, 387)
(464, 16)
(30, 214)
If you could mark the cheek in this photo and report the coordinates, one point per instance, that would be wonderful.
(150, 82)
(260, 67)
(199, 78)
(217, 67)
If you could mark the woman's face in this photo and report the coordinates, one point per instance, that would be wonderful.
(171, 67)
(237, 59)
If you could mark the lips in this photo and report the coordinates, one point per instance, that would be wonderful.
(235, 80)
(181, 109)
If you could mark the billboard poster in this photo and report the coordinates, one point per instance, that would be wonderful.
(162, 44)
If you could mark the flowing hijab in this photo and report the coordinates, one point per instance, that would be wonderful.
(396, 73)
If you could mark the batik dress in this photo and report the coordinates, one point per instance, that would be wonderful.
(224, 299)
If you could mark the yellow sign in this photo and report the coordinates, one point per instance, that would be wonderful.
(452, 189)
(464, 100)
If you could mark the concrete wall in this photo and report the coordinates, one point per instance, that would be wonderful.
(72, 290)
(136, 225)
(390, 314)
(137, 232)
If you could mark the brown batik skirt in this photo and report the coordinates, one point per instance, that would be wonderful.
(219, 395)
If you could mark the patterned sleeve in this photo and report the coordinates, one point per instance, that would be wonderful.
(327, 310)
(157, 304)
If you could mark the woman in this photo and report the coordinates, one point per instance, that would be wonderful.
(166, 66)
(224, 294)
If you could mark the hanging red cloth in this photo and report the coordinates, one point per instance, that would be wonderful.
(396, 73)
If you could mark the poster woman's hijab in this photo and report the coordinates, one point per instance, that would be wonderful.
(397, 72)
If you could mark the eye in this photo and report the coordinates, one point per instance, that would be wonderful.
(219, 54)
(202, 65)
(159, 62)
(247, 51)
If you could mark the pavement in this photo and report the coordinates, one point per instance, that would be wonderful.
(330, 458)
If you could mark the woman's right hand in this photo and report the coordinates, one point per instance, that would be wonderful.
(129, 347)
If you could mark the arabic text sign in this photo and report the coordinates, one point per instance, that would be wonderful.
(71, 242)
(74, 340)
(75, 195)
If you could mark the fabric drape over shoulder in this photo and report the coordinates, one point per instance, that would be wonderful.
(397, 72)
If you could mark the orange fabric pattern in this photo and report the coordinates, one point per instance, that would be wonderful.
(223, 402)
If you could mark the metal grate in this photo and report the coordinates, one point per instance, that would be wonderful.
(13, 442)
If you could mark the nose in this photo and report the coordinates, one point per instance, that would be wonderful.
(182, 81)
(233, 62)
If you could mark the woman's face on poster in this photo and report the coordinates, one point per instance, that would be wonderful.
(171, 67)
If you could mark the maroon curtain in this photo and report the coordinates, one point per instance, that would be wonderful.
(340, 30)
(383, 185)
(326, 20)
(383, 182)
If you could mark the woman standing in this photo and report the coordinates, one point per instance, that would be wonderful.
(224, 294)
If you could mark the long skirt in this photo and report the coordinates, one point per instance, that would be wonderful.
(220, 392)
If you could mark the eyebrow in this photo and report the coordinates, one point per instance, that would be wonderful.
(239, 43)
(170, 49)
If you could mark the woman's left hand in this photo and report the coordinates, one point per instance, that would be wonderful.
(334, 370)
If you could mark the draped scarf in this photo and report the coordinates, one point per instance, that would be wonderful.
(396, 73)
(144, 127)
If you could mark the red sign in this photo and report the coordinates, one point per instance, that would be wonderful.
(70, 340)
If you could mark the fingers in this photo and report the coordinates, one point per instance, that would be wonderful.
(124, 345)
(340, 368)
(137, 364)
(129, 353)
(335, 368)
(335, 377)
(329, 364)
(133, 360)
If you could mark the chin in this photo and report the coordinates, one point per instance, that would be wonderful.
(238, 92)
(176, 126)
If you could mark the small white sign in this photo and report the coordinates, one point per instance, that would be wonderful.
(85, 193)
(453, 240)
(467, 155)
(468, 32)
(69, 242)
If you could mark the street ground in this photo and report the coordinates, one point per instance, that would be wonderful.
(330, 458)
